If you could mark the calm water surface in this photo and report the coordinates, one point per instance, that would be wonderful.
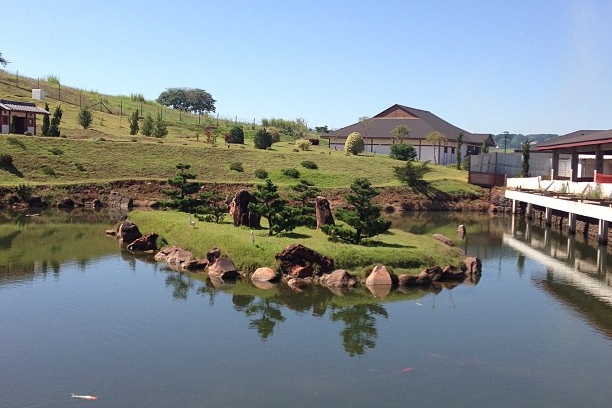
(78, 315)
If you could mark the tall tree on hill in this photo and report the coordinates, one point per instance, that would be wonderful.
(159, 127)
(54, 129)
(526, 146)
(281, 216)
(85, 117)
(399, 133)
(134, 123)
(187, 99)
(458, 151)
(436, 139)
(3, 60)
(46, 122)
(147, 125)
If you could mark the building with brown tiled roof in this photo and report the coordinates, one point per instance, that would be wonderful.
(376, 132)
(21, 114)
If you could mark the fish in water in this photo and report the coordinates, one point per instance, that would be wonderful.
(85, 397)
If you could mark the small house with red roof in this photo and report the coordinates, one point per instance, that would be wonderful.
(22, 115)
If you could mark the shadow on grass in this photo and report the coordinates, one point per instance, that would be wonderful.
(13, 170)
(374, 244)
(430, 192)
(295, 235)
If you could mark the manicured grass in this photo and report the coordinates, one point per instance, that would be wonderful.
(398, 250)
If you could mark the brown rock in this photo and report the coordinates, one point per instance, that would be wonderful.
(147, 242)
(65, 202)
(223, 268)
(239, 209)
(339, 278)
(298, 271)
(380, 276)
(164, 252)
(297, 255)
(179, 256)
(451, 273)
(472, 265)
(213, 254)
(118, 200)
(195, 264)
(443, 239)
(406, 280)
(264, 275)
(128, 232)
(429, 275)
(323, 212)
(380, 291)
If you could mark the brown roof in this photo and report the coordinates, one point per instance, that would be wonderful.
(420, 122)
(577, 139)
(21, 106)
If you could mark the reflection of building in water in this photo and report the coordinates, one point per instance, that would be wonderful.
(576, 273)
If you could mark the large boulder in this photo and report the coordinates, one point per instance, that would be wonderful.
(472, 265)
(223, 268)
(118, 200)
(323, 212)
(339, 278)
(147, 242)
(65, 203)
(298, 260)
(239, 210)
(128, 232)
(380, 275)
(264, 275)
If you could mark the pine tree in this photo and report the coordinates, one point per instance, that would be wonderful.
(134, 123)
(363, 219)
(85, 117)
(184, 188)
(147, 125)
(281, 217)
(458, 151)
(159, 127)
(54, 129)
(46, 122)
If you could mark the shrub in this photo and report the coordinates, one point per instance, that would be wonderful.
(56, 151)
(314, 142)
(235, 135)
(261, 174)
(295, 149)
(27, 133)
(294, 173)
(6, 160)
(85, 117)
(236, 166)
(79, 166)
(23, 191)
(412, 173)
(48, 170)
(147, 125)
(309, 164)
(303, 144)
(405, 152)
(354, 144)
(262, 139)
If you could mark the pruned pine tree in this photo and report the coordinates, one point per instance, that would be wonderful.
(85, 117)
(147, 125)
(46, 122)
(160, 129)
(362, 219)
(134, 127)
(281, 217)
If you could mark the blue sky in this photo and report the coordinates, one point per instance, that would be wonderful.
(522, 66)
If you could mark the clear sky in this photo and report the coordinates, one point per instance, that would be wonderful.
(488, 66)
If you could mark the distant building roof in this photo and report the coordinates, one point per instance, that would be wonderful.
(577, 139)
(419, 122)
(21, 106)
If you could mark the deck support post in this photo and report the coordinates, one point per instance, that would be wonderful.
(548, 216)
(603, 232)
(571, 224)
(529, 211)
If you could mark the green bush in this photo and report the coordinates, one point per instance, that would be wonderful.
(6, 160)
(79, 166)
(262, 139)
(294, 173)
(236, 135)
(56, 151)
(354, 144)
(403, 151)
(412, 173)
(303, 144)
(309, 164)
(23, 191)
(261, 174)
(27, 133)
(48, 170)
(236, 166)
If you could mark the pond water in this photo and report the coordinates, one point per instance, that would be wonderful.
(78, 315)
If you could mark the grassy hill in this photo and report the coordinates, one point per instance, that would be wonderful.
(107, 152)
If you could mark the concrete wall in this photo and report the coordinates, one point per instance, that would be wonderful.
(511, 164)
